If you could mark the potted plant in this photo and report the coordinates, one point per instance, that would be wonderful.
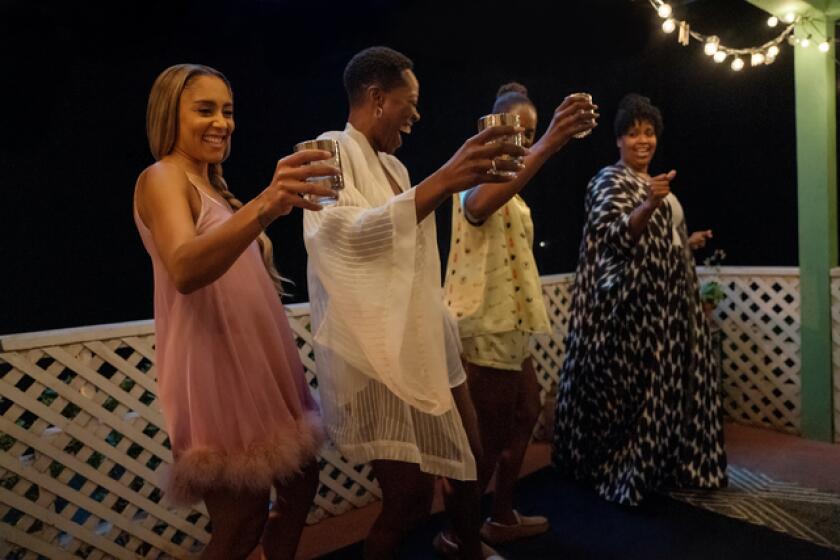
(711, 293)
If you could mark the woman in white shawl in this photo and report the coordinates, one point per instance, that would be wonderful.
(388, 355)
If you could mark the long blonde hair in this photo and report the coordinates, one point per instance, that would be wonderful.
(162, 131)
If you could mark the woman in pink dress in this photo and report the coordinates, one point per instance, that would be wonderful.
(238, 410)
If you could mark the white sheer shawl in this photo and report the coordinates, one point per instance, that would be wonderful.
(386, 349)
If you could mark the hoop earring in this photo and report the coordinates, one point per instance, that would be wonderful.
(378, 112)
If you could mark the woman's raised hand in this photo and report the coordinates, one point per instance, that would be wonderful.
(660, 187)
(288, 187)
(575, 115)
(479, 158)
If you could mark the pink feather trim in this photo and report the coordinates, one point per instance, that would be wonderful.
(201, 469)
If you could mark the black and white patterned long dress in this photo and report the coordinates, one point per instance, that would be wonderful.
(638, 405)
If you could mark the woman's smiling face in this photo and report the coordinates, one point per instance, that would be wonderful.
(399, 113)
(638, 145)
(205, 120)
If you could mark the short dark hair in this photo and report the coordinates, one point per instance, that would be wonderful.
(380, 66)
(637, 108)
(509, 96)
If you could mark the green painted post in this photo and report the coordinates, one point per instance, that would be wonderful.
(816, 137)
(816, 140)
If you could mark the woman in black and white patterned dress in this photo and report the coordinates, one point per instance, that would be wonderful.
(638, 405)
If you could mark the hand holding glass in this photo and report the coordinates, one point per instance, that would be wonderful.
(335, 182)
(503, 119)
(588, 98)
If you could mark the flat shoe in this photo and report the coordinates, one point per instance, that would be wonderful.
(525, 526)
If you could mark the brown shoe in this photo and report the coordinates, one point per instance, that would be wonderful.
(525, 526)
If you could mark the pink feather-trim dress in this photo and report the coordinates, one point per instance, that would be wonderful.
(238, 410)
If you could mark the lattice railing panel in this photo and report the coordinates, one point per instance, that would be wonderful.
(759, 343)
(83, 440)
(547, 351)
(835, 339)
(760, 322)
(83, 445)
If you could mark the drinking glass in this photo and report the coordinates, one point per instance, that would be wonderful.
(503, 119)
(335, 182)
(588, 98)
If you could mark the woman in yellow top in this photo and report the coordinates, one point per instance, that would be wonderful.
(493, 289)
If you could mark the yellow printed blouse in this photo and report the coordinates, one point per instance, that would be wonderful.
(492, 284)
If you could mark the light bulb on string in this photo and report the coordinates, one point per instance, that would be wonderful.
(757, 55)
(711, 46)
(824, 47)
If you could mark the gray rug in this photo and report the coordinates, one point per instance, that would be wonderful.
(804, 513)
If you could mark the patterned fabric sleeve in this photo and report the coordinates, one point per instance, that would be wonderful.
(611, 207)
(611, 203)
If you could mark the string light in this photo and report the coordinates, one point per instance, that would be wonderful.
(758, 56)
(711, 46)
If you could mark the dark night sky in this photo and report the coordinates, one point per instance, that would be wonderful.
(76, 78)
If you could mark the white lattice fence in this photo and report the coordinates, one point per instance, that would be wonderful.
(759, 342)
(547, 351)
(83, 441)
(759, 322)
(82, 438)
(835, 355)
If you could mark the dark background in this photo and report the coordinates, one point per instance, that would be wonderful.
(77, 75)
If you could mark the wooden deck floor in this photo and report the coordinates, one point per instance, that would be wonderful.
(780, 456)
